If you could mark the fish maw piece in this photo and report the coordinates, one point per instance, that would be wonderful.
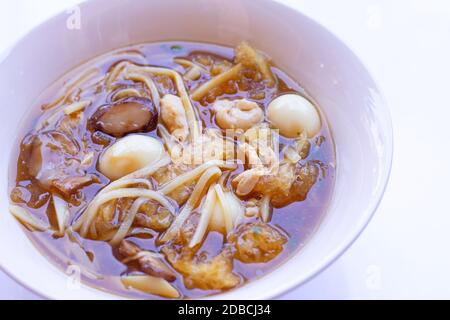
(257, 242)
(215, 274)
(305, 178)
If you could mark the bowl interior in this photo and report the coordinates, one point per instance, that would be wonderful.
(310, 54)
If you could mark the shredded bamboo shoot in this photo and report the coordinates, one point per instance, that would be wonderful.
(203, 90)
(148, 82)
(128, 221)
(151, 285)
(126, 93)
(62, 213)
(205, 216)
(76, 107)
(92, 210)
(193, 174)
(209, 176)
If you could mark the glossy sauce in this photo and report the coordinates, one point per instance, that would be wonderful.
(298, 220)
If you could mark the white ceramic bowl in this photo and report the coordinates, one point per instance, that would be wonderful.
(329, 71)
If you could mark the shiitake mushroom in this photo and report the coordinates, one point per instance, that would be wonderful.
(130, 115)
(51, 159)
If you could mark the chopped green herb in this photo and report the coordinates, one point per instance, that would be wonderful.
(176, 48)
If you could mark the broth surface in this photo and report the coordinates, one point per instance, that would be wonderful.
(98, 262)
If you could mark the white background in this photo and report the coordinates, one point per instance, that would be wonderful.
(404, 252)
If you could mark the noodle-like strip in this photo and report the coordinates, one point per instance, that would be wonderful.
(168, 139)
(189, 109)
(193, 174)
(218, 80)
(69, 89)
(115, 73)
(195, 71)
(76, 106)
(130, 179)
(135, 73)
(123, 183)
(128, 221)
(92, 210)
(187, 63)
(62, 213)
(205, 217)
(210, 176)
(118, 184)
(148, 82)
(125, 93)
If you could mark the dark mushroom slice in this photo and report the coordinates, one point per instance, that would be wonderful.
(68, 185)
(125, 116)
(148, 263)
(51, 159)
(47, 150)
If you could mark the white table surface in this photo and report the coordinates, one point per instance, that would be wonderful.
(404, 252)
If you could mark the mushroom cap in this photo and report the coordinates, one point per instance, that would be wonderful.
(125, 116)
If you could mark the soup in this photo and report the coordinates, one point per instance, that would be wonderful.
(173, 170)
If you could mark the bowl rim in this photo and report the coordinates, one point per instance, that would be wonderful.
(387, 167)
(344, 244)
